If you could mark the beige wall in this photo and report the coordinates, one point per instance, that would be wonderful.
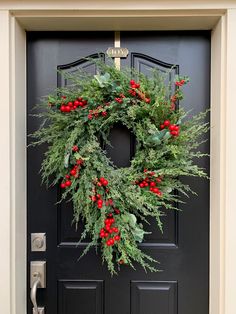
(18, 16)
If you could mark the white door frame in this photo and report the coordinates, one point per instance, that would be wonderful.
(14, 20)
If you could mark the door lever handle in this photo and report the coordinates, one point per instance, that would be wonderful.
(33, 292)
(38, 280)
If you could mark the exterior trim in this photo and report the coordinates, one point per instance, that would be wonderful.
(18, 16)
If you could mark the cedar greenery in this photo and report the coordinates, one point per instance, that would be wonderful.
(112, 202)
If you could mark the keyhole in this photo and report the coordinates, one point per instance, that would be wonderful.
(122, 147)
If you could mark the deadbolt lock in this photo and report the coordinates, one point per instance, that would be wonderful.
(38, 242)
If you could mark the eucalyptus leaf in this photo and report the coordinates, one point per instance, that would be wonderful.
(138, 234)
(102, 79)
(132, 219)
(167, 136)
(66, 160)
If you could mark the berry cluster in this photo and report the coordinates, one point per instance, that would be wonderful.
(151, 182)
(134, 91)
(74, 172)
(173, 128)
(72, 105)
(102, 182)
(98, 198)
(109, 230)
(99, 111)
(180, 83)
(134, 85)
(120, 99)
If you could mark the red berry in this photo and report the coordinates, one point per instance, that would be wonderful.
(105, 182)
(63, 97)
(107, 221)
(90, 117)
(117, 238)
(101, 179)
(119, 100)
(155, 190)
(75, 148)
(93, 198)
(107, 227)
(166, 123)
(115, 229)
(76, 103)
(145, 184)
(152, 184)
(99, 183)
(117, 211)
(70, 103)
(104, 113)
(73, 172)
(98, 195)
(62, 108)
(112, 220)
(68, 183)
(67, 176)
(158, 180)
(174, 133)
(63, 185)
(79, 161)
(102, 234)
(132, 92)
(106, 234)
(112, 241)
(176, 128)
(162, 126)
(172, 127)
(147, 100)
(151, 189)
(108, 243)
(137, 85)
(68, 108)
(132, 82)
(141, 185)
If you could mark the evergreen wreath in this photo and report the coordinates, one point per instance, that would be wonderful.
(115, 203)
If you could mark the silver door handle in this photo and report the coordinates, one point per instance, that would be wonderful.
(38, 280)
(33, 292)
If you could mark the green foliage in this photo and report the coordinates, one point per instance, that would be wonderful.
(161, 157)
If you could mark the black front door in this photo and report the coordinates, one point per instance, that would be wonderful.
(85, 286)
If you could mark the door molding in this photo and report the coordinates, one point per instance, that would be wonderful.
(13, 23)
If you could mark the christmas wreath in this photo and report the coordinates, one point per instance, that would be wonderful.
(116, 203)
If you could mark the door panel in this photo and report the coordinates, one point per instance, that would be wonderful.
(85, 286)
(153, 295)
(81, 297)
